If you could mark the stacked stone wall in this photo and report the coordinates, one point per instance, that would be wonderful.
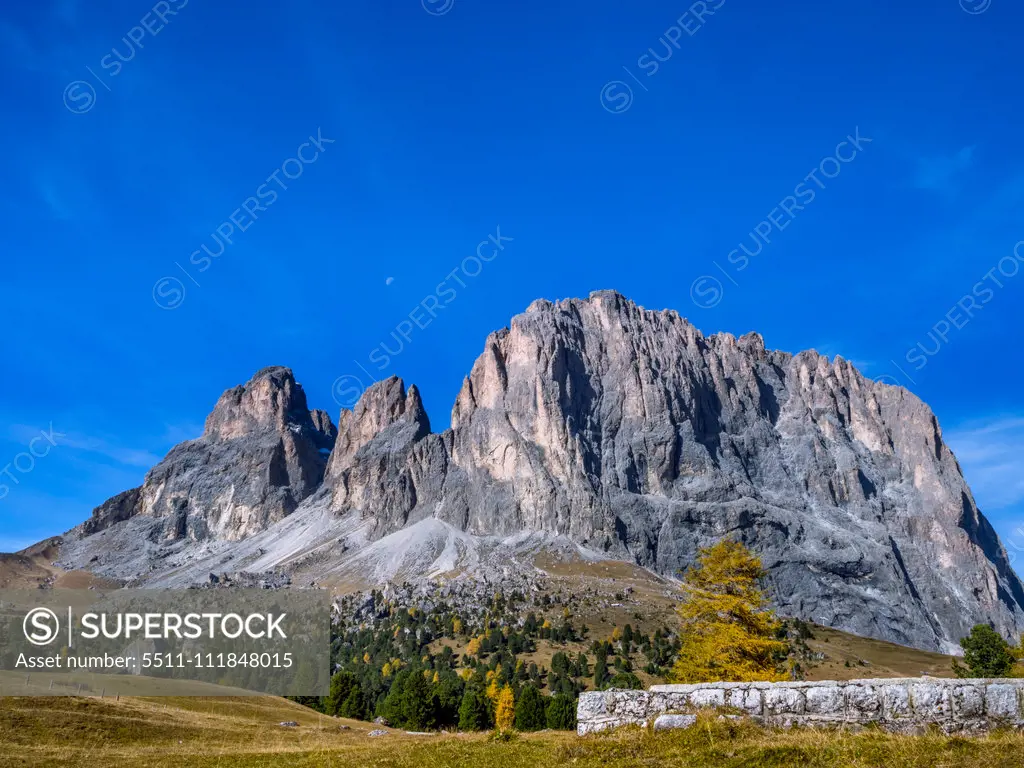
(903, 705)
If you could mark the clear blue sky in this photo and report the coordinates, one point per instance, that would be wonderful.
(448, 119)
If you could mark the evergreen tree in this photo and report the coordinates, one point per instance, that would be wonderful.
(530, 710)
(728, 633)
(582, 666)
(560, 663)
(534, 673)
(473, 711)
(447, 698)
(417, 702)
(392, 708)
(564, 685)
(986, 654)
(530, 626)
(341, 687)
(353, 706)
(306, 677)
(561, 714)
(626, 680)
(600, 672)
(313, 702)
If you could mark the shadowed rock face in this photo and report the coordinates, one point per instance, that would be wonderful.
(261, 453)
(632, 433)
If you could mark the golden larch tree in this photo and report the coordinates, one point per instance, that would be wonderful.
(505, 712)
(728, 633)
(494, 688)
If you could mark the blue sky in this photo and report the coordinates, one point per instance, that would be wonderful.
(380, 146)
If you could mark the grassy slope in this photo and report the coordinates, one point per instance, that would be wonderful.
(871, 658)
(232, 733)
(33, 568)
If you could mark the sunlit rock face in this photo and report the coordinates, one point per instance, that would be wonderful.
(630, 432)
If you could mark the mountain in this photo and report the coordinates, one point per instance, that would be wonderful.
(261, 453)
(602, 430)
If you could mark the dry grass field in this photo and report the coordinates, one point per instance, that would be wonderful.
(245, 733)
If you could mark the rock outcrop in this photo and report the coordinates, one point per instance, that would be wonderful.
(630, 432)
(261, 453)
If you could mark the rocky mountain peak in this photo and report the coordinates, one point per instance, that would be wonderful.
(386, 408)
(261, 453)
(323, 424)
(270, 400)
(628, 432)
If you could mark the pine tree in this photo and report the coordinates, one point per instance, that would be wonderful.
(341, 687)
(417, 703)
(727, 633)
(600, 672)
(392, 707)
(530, 625)
(560, 663)
(305, 677)
(986, 654)
(626, 680)
(530, 710)
(353, 706)
(447, 697)
(505, 713)
(582, 666)
(562, 713)
(473, 711)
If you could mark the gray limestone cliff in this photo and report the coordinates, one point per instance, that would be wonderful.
(261, 453)
(632, 433)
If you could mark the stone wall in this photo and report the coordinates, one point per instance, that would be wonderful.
(902, 704)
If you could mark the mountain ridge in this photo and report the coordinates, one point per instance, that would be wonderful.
(596, 424)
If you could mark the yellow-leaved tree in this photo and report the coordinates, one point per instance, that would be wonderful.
(728, 633)
(505, 712)
(494, 687)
